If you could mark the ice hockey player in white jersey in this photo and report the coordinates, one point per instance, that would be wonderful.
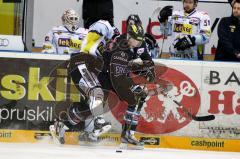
(189, 29)
(65, 39)
(100, 33)
(95, 43)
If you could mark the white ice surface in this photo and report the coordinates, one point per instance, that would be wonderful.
(48, 151)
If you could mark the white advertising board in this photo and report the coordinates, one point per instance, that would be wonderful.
(203, 88)
(11, 43)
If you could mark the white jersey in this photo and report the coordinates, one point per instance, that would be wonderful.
(99, 34)
(196, 24)
(60, 40)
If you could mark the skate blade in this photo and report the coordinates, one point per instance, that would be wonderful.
(103, 130)
(54, 135)
(125, 146)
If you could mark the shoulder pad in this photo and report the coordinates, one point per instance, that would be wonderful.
(82, 31)
(59, 28)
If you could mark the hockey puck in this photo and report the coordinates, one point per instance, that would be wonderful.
(119, 151)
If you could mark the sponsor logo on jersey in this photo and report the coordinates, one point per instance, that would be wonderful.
(182, 28)
(65, 42)
(140, 51)
(194, 21)
(232, 28)
(123, 57)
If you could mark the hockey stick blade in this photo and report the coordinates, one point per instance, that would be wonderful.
(194, 117)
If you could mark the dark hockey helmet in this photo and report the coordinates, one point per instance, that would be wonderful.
(133, 19)
(136, 32)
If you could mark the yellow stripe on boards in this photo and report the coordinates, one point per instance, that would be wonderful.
(113, 139)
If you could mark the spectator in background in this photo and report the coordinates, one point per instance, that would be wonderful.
(189, 29)
(94, 10)
(228, 48)
(65, 39)
(230, 2)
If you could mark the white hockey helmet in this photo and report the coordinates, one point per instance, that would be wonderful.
(71, 19)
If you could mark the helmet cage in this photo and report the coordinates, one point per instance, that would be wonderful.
(70, 19)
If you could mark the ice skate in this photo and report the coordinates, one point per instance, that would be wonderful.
(57, 131)
(128, 141)
(100, 127)
(87, 137)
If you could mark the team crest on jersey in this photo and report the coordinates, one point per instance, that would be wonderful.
(140, 51)
(194, 21)
(182, 28)
(232, 28)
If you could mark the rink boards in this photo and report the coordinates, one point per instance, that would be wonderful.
(113, 139)
(34, 88)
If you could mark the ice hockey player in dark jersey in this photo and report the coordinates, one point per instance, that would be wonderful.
(121, 57)
(149, 43)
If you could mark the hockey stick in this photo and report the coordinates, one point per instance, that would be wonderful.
(163, 40)
(194, 117)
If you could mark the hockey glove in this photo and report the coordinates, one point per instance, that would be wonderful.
(148, 71)
(116, 33)
(150, 75)
(138, 91)
(165, 13)
(185, 43)
(237, 53)
(151, 42)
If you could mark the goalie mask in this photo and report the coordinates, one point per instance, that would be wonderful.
(70, 19)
